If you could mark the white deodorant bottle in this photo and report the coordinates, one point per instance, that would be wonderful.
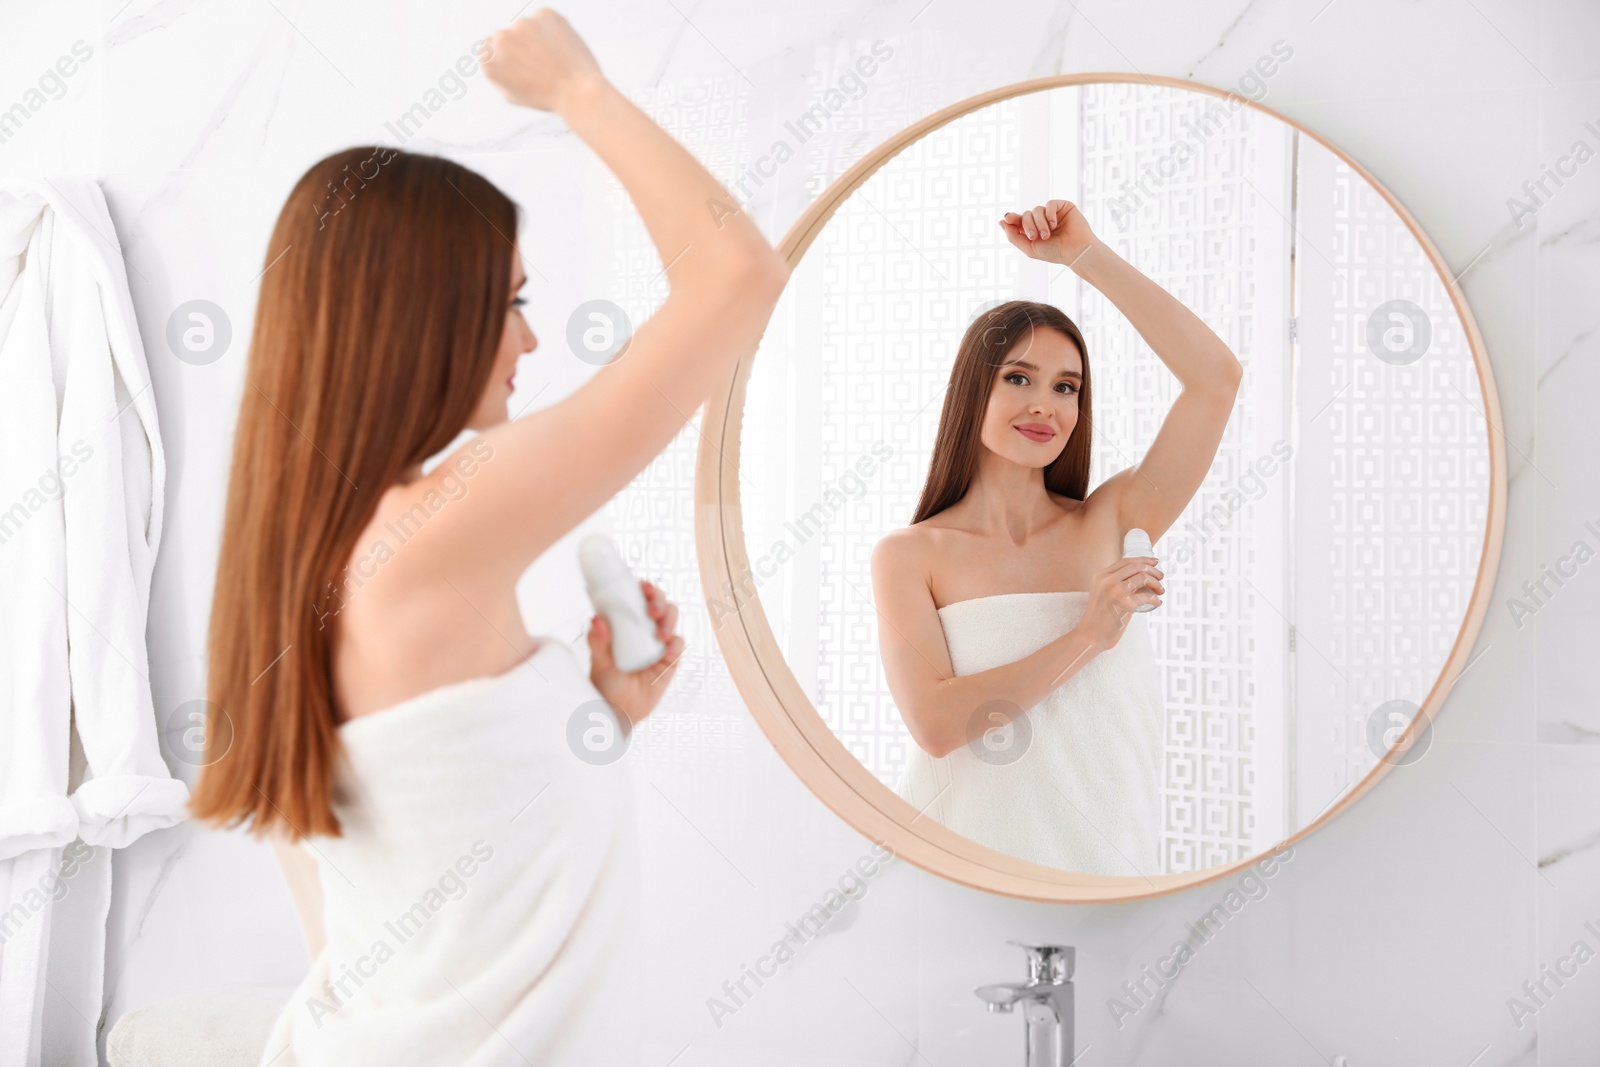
(617, 596)
(1137, 543)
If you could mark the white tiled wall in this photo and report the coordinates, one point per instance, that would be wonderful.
(1395, 936)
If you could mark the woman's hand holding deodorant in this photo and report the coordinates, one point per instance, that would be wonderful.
(633, 647)
(1131, 584)
(1136, 544)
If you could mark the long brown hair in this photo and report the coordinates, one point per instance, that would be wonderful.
(382, 305)
(984, 347)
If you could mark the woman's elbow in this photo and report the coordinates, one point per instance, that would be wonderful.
(751, 266)
(767, 273)
(1235, 371)
(935, 742)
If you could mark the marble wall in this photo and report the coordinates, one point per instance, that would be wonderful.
(1399, 934)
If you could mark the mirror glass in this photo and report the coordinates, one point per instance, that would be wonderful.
(1316, 582)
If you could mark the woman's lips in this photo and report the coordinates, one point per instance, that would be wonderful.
(1036, 433)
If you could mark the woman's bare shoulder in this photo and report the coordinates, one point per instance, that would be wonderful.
(907, 551)
(897, 545)
(401, 625)
(919, 539)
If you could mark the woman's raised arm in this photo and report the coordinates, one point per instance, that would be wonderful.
(551, 469)
(1152, 493)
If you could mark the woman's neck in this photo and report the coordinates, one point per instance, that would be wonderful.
(1011, 503)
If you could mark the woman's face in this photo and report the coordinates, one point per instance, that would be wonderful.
(515, 339)
(1034, 403)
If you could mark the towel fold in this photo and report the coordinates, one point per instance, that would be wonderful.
(1074, 782)
(480, 905)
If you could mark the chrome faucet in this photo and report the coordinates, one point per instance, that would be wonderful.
(1046, 1003)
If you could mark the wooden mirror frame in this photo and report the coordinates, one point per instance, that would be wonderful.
(790, 720)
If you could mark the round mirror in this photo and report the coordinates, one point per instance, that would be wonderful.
(1323, 582)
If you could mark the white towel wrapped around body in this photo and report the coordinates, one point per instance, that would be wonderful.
(1075, 781)
(480, 904)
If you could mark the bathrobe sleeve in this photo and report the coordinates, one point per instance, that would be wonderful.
(34, 698)
(113, 526)
(110, 513)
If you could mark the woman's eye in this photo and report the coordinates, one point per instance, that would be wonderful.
(520, 301)
(1018, 374)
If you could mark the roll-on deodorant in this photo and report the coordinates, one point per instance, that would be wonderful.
(617, 596)
(1137, 543)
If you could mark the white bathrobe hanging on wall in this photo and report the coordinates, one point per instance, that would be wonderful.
(81, 484)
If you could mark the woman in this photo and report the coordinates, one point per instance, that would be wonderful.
(377, 695)
(1009, 639)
